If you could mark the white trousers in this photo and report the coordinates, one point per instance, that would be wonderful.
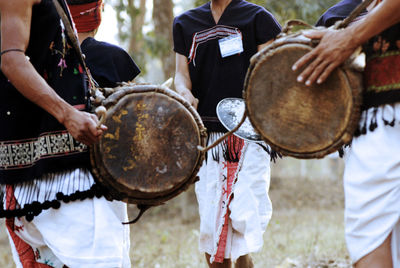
(372, 188)
(250, 207)
(79, 234)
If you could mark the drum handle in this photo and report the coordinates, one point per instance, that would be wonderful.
(143, 209)
(101, 113)
(223, 137)
(354, 14)
(289, 25)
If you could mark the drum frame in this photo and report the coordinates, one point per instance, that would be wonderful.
(118, 191)
(355, 85)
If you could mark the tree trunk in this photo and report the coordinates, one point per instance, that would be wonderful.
(163, 17)
(137, 21)
(130, 23)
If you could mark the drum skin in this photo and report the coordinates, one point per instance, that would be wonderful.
(294, 119)
(149, 152)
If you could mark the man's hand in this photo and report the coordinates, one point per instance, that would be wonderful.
(334, 48)
(83, 126)
(187, 94)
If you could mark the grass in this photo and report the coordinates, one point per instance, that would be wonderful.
(306, 230)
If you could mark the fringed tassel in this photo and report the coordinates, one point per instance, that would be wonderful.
(232, 148)
(214, 151)
(363, 129)
(387, 122)
(274, 155)
(373, 124)
(341, 152)
(373, 121)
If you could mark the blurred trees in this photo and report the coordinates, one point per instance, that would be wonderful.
(150, 37)
(163, 17)
(131, 19)
(306, 10)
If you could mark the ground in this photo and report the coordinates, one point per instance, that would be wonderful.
(306, 230)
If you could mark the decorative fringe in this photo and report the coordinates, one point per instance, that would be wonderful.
(274, 155)
(32, 197)
(387, 122)
(370, 121)
(230, 148)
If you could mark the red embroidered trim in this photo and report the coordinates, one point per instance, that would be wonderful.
(382, 73)
(25, 252)
(215, 32)
(232, 168)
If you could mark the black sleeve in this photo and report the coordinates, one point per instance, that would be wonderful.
(179, 39)
(126, 67)
(267, 27)
(108, 64)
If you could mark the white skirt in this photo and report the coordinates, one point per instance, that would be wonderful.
(372, 187)
(250, 207)
(86, 233)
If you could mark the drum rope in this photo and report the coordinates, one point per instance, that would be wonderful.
(354, 14)
(223, 137)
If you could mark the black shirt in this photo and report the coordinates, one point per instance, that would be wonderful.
(214, 78)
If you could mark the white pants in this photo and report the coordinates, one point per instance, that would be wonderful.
(80, 234)
(250, 208)
(372, 188)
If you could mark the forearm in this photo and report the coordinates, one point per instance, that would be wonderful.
(380, 18)
(33, 86)
(183, 84)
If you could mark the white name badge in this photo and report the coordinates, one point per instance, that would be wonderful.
(231, 45)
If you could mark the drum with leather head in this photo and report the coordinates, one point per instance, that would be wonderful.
(149, 153)
(294, 119)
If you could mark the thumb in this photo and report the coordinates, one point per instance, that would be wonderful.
(313, 34)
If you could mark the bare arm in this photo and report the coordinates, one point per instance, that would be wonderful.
(337, 45)
(183, 83)
(15, 31)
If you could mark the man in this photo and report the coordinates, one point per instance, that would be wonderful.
(213, 45)
(109, 64)
(48, 191)
(372, 173)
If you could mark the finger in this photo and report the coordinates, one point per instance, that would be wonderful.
(314, 34)
(328, 70)
(94, 131)
(102, 127)
(317, 67)
(304, 75)
(303, 60)
(94, 118)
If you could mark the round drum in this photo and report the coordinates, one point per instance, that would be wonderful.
(294, 119)
(149, 152)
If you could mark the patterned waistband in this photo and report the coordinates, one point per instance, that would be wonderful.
(25, 153)
(382, 72)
